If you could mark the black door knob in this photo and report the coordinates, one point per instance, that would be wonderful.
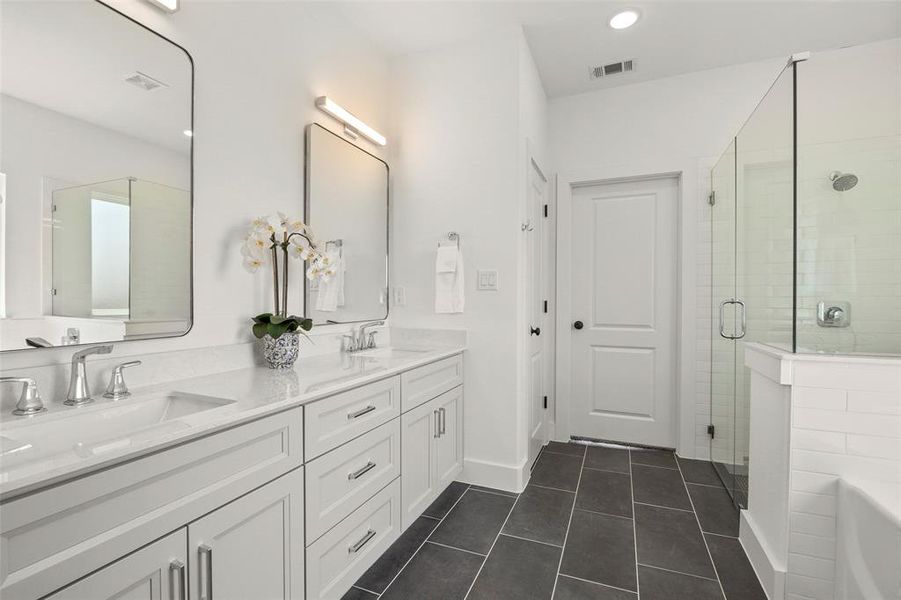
(535, 330)
(578, 325)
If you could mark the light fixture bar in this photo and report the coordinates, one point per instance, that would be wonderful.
(167, 5)
(327, 105)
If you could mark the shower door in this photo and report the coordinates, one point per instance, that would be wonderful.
(752, 270)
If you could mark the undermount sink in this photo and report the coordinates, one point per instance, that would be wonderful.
(103, 427)
(391, 352)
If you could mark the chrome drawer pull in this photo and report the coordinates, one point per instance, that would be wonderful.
(443, 419)
(356, 547)
(360, 413)
(177, 572)
(206, 591)
(437, 424)
(361, 471)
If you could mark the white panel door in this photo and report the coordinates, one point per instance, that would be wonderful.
(539, 324)
(252, 547)
(624, 310)
(155, 572)
(419, 430)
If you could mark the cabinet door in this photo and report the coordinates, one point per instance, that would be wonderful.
(252, 547)
(449, 443)
(155, 572)
(419, 430)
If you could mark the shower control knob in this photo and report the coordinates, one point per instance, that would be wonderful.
(578, 325)
(535, 330)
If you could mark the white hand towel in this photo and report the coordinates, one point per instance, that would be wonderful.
(449, 296)
(446, 261)
(331, 290)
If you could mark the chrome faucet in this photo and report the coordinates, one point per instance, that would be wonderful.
(30, 402)
(79, 390)
(361, 338)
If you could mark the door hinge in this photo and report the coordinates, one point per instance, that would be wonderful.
(53, 208)
(545, 210)
(711, 431)
(545, 402)
(711, 198)
(545, 306)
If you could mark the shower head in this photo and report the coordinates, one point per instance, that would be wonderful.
(842, 182)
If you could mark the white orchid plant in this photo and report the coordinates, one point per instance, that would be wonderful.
(268, 238)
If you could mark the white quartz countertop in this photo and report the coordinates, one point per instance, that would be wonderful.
(253, 393)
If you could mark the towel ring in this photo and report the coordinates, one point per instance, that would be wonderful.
(452, 236)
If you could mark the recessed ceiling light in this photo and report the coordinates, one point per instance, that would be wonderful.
(188, 133)
(624, 19)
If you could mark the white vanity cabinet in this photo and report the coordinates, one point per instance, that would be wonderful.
(432, 455)
(294, 504)
(155, 572)
(252, 547)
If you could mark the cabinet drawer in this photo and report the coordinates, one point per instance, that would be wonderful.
(337, 559)
(332, 421)
(59, 534)
(340, 481)
(422, 384)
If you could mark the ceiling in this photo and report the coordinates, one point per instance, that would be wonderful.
(568, 38)
(73, 58)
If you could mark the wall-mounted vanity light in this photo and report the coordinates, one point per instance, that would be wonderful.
(352, 124)
(167, 5)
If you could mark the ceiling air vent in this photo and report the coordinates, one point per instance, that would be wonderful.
(616, 68)
(145, 82)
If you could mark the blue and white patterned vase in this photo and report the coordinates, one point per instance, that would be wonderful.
(281, 352)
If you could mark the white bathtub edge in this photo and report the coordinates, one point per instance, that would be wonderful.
(768, 569)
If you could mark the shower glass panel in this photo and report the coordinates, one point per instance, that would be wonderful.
(752, 269)
(849, 201)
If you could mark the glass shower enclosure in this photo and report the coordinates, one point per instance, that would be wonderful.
(805, 230)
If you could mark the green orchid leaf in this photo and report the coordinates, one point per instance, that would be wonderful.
(306, 324)
(276, 329)
(260, 330)
(276, 320)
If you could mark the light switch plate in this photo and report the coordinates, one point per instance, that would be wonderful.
(400, 296)
(487, 280)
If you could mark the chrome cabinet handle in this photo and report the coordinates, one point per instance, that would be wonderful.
(360, 413)
(743, 330)
(437, 424)
(442, 419)
(363, 541)
(206, 582)
(361, 471)
(177, 572)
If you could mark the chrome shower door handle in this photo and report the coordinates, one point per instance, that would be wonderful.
(743, 321)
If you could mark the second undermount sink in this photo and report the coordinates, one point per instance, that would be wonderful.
(100, 428)
(391, 352)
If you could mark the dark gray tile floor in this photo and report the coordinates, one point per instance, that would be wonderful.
(606, 524)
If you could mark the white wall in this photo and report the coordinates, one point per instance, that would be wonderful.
(677, 124)
(461, 119)
(258, 68)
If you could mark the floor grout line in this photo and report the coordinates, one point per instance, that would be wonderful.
(731, 537)
(493, 544)
(605, 470)
(547, 487)
(561, 454)
(720, 486)
(701, 530)
(612, 587)
(634, 528)
(638, 464)
(365, 590)
(434, 518)
(568, 525)
(676, 572)
(597, 512)
(486, 491)
(412, 556)
(666, 507)
(519, 537)
(456, 548)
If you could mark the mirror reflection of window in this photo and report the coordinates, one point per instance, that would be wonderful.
(110, 234)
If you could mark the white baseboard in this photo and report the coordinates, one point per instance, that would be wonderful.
(765, 565)
(510, 478)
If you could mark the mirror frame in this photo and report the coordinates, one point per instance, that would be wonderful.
(306, 217)
(191, 196)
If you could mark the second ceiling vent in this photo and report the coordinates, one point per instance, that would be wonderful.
(616, 68)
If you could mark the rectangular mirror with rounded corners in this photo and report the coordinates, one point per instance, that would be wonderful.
(347, 208)
(95, 177)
